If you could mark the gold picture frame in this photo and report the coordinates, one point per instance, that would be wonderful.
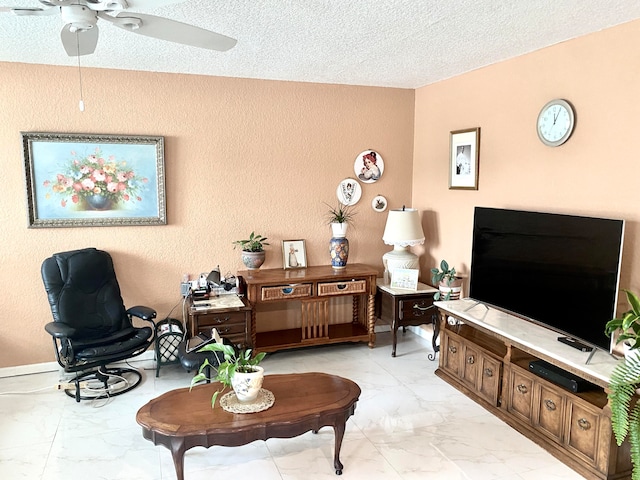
(464, 155)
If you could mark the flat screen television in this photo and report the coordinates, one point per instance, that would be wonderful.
(561, 271)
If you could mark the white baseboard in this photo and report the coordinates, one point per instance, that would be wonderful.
(54, 367)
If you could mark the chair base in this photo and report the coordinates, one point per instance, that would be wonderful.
(104, 383)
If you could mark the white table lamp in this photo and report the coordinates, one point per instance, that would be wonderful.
(403, 230)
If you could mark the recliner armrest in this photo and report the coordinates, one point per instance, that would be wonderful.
(59, 330)
(140, 311)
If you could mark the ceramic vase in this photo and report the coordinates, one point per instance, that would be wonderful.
(452, 289)
(339, 249)
(253, 260)
(248, 385)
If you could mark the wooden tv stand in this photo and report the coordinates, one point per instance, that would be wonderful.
(313, 288)
(485, 353)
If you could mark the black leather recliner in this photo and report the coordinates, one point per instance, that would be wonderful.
(91, 327)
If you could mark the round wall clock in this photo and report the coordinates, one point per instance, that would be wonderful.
(555, 122)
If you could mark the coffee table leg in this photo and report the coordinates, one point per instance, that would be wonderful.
(177, 452)
(339, 433)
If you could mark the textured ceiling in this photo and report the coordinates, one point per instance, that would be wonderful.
(392, 43)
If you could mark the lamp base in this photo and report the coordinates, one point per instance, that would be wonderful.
(399, 257)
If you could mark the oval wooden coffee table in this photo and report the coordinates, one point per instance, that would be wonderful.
(304, 402)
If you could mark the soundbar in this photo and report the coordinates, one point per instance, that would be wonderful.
(560, 377)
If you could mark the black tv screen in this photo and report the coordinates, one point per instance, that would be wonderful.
(561, 271)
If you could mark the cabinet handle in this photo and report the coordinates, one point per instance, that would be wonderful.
(522, 388)
(550, 404)
(584, 424)
(421, 308)
(287, 290)
(341, 286)
(453, 349)
(219, 320)
(471, 360)
(488, 372)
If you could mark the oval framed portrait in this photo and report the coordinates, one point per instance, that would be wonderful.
(369, 166)
(379, 203)
(349, 191)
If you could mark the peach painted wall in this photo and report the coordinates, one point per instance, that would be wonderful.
(241, 155)
(595, 173)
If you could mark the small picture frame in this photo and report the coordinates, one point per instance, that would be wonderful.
(463, 159)
(294, 254)
(405, 278)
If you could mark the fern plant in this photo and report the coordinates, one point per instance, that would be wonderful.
(625, 411)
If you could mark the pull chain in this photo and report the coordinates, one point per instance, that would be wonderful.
(81, 103)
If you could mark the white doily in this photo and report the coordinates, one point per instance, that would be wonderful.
(230, 402)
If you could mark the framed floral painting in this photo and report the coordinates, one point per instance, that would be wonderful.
(78, 180)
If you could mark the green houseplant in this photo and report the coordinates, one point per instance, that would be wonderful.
(447, 281)
(340, 214)
(339, 217)
(234, 362)
(253, 254)
(625, 378)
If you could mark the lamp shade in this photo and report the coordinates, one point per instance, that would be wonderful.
(403, 228)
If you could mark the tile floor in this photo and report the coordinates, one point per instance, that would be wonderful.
(409, 424)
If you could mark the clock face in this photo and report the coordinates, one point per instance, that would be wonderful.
(555, 122)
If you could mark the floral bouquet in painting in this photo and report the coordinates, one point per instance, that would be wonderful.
(96, 183)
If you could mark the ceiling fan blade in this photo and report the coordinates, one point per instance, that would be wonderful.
(174, 31)
(82, 42)
(21, 12)
(148, 4)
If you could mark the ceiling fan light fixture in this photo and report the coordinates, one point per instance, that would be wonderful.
(79, 16)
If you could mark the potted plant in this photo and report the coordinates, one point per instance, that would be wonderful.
(239, 371)
(253, 253)
(339, 217)
(625, 378)
(449, 284)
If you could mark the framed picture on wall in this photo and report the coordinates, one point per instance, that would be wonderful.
(78, 180)
(294, 254)
(463, 159)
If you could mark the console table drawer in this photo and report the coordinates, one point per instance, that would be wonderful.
(342, 288)
(286, 292)
(221, 320)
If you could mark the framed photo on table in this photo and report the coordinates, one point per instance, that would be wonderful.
(463, 159)
(82, 180)
(294, 254)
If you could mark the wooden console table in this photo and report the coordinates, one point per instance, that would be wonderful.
(485, 353)
(313, 288)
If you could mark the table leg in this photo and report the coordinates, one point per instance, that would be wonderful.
(371, 319)
(435, 321)
(339, 433)
(177, 452)
(394, 329)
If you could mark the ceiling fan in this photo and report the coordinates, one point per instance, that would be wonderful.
(80, 33)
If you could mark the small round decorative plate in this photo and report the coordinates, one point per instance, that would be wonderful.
(369, 166)
(230, 403)
(349, 191)
(379, 203)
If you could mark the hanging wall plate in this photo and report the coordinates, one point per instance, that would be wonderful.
(369, 166)
(349, 191)
(379, 203)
